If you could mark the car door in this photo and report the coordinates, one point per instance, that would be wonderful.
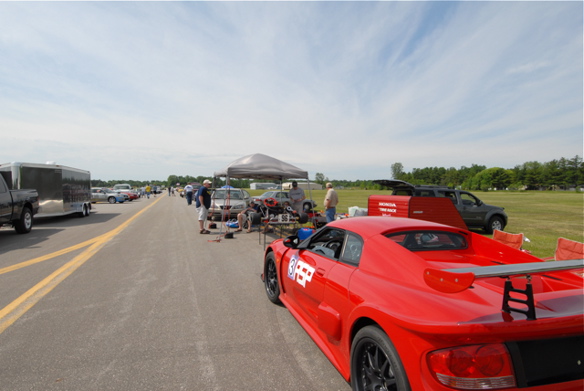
(471, 209)
(97, 195)
(309, 269)
(335, 307)
(5, 203)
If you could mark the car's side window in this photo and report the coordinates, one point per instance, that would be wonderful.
(328, 242)
(468, 199)
(448, 194)
(352, 250)
(426, 193)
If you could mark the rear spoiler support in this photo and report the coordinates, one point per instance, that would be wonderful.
(528, 301)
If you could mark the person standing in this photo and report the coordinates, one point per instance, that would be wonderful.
(189, 193)
(148, 190)
(296, 197)
(203, 203)
(330, 203)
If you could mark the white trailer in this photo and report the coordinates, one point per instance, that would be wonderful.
(62, 190)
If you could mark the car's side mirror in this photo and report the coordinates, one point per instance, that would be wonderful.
(292, 241)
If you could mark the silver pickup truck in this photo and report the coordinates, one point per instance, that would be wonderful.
(17, 207)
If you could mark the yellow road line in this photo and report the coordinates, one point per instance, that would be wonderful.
(14, 310)
(48, 256)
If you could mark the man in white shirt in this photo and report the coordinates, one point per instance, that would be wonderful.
(189, 194)
(330, 203)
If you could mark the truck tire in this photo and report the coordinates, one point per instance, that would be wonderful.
(84, 211)
(495, 222)
(24, 224)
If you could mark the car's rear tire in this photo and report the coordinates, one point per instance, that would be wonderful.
(375, 364)
(24, 224)
(495, 222)
(271, 279)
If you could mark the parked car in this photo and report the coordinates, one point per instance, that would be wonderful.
(283, 196)
(474, 212)
(102, 194)
(131, 194)
(126, 189)
(227, 203)
(406, 304)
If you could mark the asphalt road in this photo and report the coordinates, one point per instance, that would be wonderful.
(134, 298)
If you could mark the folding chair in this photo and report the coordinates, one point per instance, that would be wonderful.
(512, 240)
(567, 249)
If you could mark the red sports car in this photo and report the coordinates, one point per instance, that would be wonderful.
(405, 304)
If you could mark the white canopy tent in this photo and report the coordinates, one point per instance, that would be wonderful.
(260, 166)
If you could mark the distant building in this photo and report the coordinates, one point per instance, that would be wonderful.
(305, 186)
(262, 186)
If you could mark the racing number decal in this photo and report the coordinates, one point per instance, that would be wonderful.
(300, 271)
(292, 266)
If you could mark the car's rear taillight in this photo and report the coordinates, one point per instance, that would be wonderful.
(474, 367)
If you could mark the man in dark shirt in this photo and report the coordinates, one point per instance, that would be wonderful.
(203, 203)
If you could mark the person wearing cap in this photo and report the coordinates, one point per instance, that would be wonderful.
(296, 197)
(203, 203)
(330, 203)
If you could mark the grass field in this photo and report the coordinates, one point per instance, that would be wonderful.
(541, 216)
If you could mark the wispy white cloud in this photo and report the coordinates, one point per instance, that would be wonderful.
(144, 90)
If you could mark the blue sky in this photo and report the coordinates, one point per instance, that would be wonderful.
(144, 90)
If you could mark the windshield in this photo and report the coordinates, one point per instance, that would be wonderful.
(223, 194)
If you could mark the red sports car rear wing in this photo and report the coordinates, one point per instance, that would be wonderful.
(457, 280)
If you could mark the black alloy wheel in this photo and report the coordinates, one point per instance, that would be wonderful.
(271, 279)
(375, 364)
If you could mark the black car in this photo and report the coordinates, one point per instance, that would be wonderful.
(474, 212)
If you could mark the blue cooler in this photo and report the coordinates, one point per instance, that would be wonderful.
(303, 233)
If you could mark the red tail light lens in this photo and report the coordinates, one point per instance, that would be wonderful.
(474, 367)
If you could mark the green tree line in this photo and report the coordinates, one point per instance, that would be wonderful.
(560, 174)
